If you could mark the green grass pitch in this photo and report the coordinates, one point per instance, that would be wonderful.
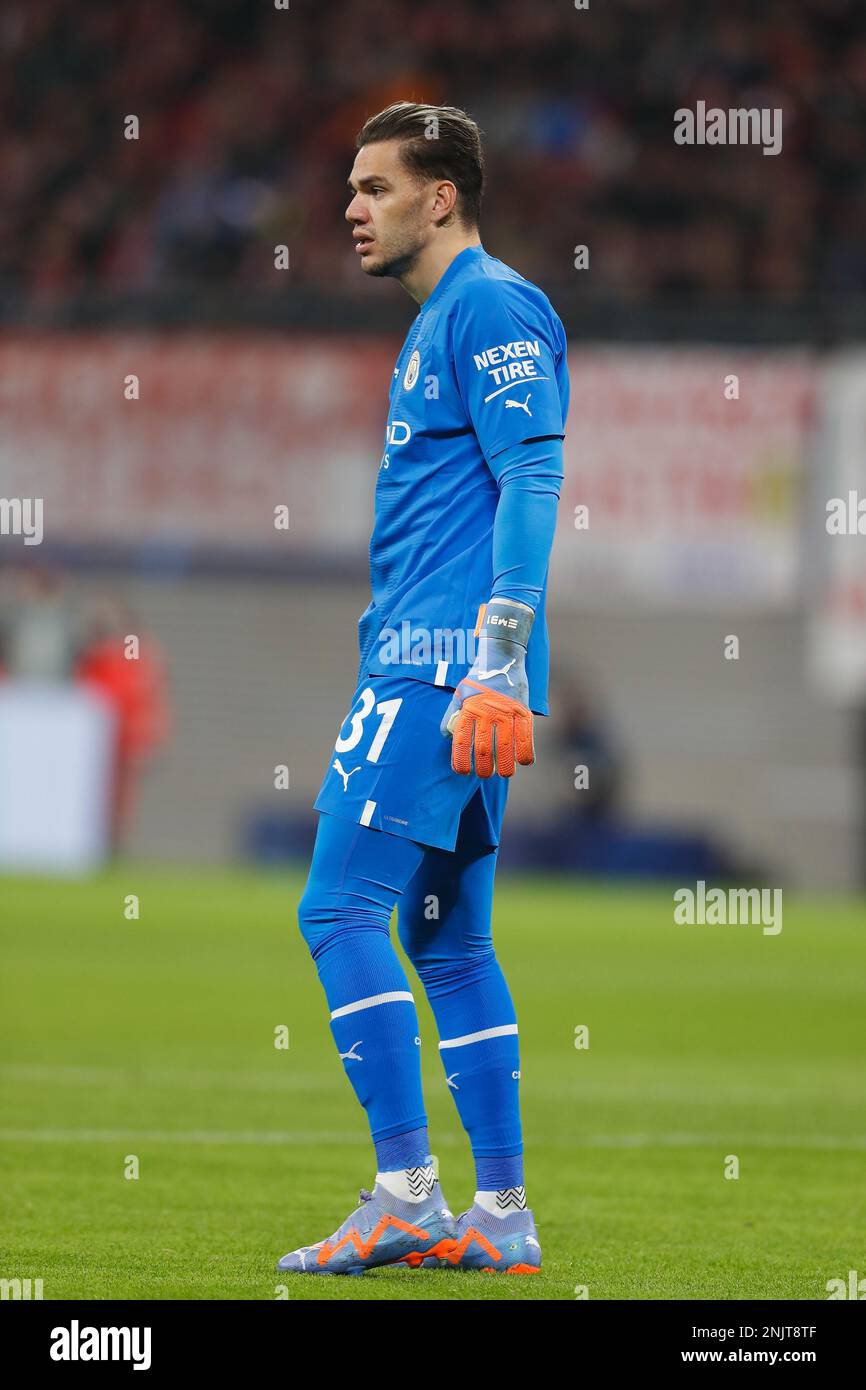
(155, 1038)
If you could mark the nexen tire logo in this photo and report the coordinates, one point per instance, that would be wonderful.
(509, 364)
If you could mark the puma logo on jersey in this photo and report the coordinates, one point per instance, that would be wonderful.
(338, 767)
(503, 671)
(449, 1080)
(351, 1055)
(520, 405)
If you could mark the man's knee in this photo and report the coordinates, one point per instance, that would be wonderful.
(326, 918)
(313, 917)
(440, 969)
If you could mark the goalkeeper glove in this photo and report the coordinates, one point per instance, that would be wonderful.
(489, 716)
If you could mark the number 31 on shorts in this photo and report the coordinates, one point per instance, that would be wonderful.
(386, 708)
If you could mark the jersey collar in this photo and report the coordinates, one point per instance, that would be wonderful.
(466, 257)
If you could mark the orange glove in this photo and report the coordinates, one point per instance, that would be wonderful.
(494, 725)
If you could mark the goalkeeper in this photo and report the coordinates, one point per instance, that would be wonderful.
(414, 791)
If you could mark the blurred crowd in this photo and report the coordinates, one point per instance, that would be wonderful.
(247, 116)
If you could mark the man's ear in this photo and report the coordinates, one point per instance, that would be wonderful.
(445, 202)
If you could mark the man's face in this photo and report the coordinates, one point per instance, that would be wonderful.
(390, 211)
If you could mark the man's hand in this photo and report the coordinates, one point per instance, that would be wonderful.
(489, 717)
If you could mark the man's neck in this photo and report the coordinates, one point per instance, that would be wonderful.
(424, 275)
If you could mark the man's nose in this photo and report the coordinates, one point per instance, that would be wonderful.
(356, 211)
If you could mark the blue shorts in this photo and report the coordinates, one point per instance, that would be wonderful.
(391, 768)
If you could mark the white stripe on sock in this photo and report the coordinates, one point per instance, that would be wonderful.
(394, 997)
(501, 1032)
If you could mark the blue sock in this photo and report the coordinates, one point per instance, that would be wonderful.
(375, 1027)
(480, 1052)
(479, 1047)
(410, 1150)
(355, 878)
(497, 1174)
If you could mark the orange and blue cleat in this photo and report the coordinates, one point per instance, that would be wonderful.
(384, 1230)
(494, 1244)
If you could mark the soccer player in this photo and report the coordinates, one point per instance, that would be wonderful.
(453, 664)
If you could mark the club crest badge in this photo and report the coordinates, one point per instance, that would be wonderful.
(412, 370)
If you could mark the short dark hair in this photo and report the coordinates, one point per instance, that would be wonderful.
(437, 142)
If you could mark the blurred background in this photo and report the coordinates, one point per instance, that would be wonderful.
(187, 346)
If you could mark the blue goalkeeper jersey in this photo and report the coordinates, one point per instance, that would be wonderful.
(483, 368)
